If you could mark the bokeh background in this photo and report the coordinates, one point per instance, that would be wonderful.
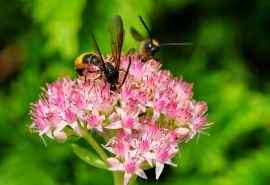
(228, 64)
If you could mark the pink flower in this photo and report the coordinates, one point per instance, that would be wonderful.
(126, 120)
(129, 167)
(119, 145)
(199, 119)
(94, 120)
(164, 156)
(69, 115)
(143, 123)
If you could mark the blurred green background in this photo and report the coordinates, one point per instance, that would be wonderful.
(228, 64)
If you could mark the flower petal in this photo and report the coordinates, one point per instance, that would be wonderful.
(127, 177)
(159, 169)
(115, 164)
(141, 174)
(114, 125)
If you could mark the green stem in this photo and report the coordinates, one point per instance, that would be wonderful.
(133, 181)
(90, 140)
(118, 178)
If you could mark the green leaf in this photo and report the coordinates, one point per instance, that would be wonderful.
(89, 157)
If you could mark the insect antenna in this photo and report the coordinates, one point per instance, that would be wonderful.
(146, 27)
(177, 44)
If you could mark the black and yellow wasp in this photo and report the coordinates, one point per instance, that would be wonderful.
(109, 70)
(149, 45)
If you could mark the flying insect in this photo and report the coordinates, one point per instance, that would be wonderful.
(149, 45)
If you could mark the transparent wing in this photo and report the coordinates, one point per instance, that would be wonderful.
(96, 48)
(136, 35)
(117, 39)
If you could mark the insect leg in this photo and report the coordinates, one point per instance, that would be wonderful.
(125, 77)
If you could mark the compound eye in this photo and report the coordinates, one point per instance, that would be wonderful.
(87, 59)
(148, 45)
(154, 49)
(95, 60)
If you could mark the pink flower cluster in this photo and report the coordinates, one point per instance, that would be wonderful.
(142, 123)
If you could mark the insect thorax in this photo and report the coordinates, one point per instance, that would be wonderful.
(111, 74)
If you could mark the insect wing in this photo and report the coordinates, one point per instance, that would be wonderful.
(117, 39)
(97, 49)
(136, 35)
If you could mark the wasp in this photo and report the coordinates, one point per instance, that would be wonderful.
(109, 70)
(149, 45)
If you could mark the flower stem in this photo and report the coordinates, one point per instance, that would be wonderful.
(133, 181)
(118, 178)
(90, 140)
